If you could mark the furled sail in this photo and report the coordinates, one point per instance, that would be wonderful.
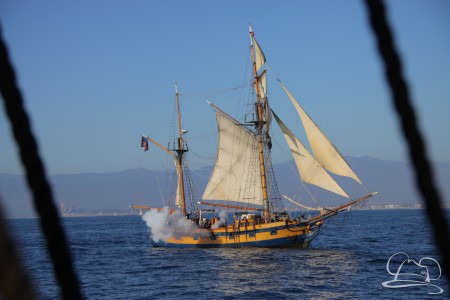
(178, 200)
(267, 116)
(324, 150)
(236, 175)
(310, 170)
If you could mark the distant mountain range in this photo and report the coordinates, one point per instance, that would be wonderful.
(114, 192)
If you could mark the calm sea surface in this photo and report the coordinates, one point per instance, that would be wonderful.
(115, 260)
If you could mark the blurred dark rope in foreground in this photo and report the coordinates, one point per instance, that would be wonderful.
(37, 180)
(407, 117)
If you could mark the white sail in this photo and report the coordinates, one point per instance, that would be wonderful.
(324, 150)
(260, 58)
(263, 85)
(236, 175)
(310, 170)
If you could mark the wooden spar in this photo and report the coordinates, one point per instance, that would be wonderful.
(140, 207)
(146, 207)
(332, 212)
(229, 206)
(224, 113)
(259, 125)
(160, 146)
(180, 151)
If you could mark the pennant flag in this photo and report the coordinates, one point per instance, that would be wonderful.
(144, 143)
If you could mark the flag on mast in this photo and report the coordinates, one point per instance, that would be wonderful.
(144, 143)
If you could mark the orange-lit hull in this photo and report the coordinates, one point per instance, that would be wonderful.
(248, 234)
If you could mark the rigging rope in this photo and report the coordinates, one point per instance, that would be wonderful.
(411, 132)
(37, 180)
(211, 93)
(200, 175)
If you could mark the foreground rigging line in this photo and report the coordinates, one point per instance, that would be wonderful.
(411, 132)
(37, 180)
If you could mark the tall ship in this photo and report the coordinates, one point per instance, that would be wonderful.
(241, 205)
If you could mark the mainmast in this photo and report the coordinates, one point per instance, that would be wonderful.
(180, 152)
(259, 128)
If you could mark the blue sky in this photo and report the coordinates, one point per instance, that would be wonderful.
(97, 74)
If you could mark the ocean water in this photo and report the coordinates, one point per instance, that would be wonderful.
(114, 259)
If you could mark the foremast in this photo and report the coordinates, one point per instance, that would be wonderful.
(178, 155)
(180, 150)
(259, 123)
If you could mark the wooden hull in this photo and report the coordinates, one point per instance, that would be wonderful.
(275, 234)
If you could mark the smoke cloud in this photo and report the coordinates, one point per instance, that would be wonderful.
(222, 220)
(164, 224)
